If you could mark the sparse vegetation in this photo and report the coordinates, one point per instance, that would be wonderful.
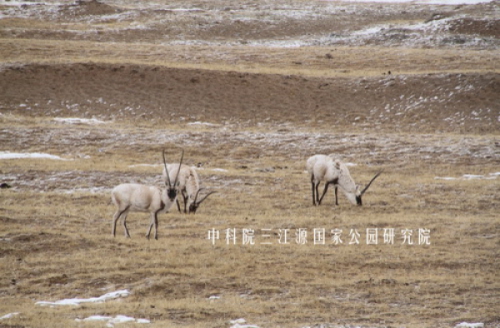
(432, 125)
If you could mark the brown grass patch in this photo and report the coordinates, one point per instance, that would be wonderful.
(248, 117)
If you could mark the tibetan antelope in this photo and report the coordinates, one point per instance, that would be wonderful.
(325, 168)
(133, 197)
(188, 185)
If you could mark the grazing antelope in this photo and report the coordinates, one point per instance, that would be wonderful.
(143, 198)
(196, 203)
(188, 186)
(325, 168)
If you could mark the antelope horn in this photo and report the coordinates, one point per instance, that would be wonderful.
(179, 170)
(166, 169)
(212, 192)
(197, 193)
(369, 183)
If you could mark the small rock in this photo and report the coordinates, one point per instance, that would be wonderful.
(4, 185)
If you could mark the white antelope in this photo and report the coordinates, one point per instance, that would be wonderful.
(325, 168)
(188, 185)
(133, 197)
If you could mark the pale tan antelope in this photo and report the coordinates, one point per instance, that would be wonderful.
(325, 168)
(188, 185)
(134, 197)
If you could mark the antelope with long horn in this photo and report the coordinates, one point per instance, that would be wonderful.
(196, 203)
(134, 197)
(188, 185)
(325, 168)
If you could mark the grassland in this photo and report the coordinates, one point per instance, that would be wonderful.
(338, 61)
(248, 118)
(56, 240)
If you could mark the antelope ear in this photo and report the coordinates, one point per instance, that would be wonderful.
(337, 164)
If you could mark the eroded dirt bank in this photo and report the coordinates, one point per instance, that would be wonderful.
(460, 103)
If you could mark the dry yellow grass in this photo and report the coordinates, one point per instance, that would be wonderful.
(57, 245)
(343, 61)
(55, 221)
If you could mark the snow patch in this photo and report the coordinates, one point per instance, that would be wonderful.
(92, 190)
(9, 315)
(185, 9)
(76, 120)
(214, 297)
(445, 178)
(472, 176)
(203, 124)
(429, 2)
(470, 325)
(491, 176)
(219, 170)
(145, 165)
(241, 323)
(111, 321)
(27, 3)
(9, 155)
(78, 301)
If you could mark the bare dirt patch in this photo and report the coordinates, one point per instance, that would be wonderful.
(436, 102)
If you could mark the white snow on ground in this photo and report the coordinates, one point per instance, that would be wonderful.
(414, 34)
(431, 2)
(426, 34)
(470, 325)
(214, 297)
(76, 120)
(145, 165)
(219, 170)
(9, 155)
(92, 190)
(202, 123)
(111, 321)
(9, 315)
(21, 3)
(491, 176)
(78, 301)
(241, 323)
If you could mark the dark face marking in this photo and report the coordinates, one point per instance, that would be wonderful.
(358, 200)
(193, 207)
(172, 193)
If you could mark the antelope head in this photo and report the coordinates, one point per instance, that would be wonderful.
(360, 193)
(171, 188)
(196, 203)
